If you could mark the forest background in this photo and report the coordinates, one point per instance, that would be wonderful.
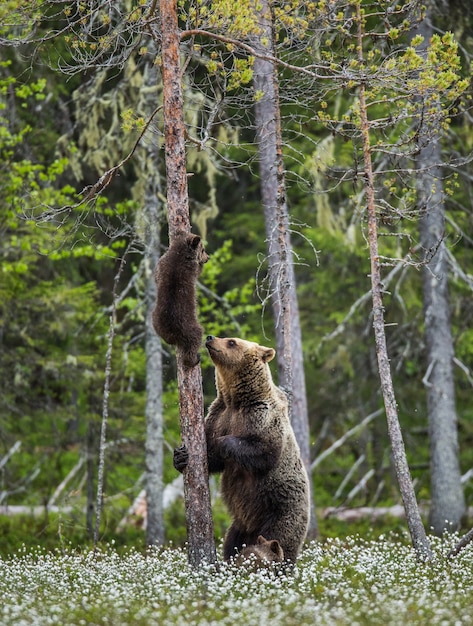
(80, 92)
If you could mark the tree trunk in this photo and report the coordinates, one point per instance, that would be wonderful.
(406, 487)
(90, 482)
(149, 167)
(106, 398)
(447, 498)
(154, 380)
(154, 404)
(282, 283)
(201, 545)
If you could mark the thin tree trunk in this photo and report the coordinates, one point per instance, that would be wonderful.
(154, 363)
(447, 498)
(90, 482)
(406, 487)
(154, 404)
(106, 398)
(154, 368)
(282, 282)
(103, 428)
(201, 545)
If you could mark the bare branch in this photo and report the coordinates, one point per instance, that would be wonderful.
(464, 369)
(62, 485)
(457, 270)
(337, 444)
(361, 459)
(361, 301)
(252, 51)
(360, 485)
(464, 541)
(93, 190)
(15, 447)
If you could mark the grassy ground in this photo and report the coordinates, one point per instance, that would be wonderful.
(346, 581)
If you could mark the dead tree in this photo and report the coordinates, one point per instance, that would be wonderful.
(406, 487)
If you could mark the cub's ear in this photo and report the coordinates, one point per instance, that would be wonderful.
(275, 546)
(267, 354)
(194, 242)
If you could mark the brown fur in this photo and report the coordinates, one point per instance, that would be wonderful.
(262, 554)
(250, 440)
(175, 314)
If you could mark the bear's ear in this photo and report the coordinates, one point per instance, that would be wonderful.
(275, 546)
(267, 354)
(194, 242)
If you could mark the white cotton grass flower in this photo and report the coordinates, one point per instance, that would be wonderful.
(339, 582)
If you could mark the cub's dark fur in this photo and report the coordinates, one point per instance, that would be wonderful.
(175, 314)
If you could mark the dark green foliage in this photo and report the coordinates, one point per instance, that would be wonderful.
(62, 531)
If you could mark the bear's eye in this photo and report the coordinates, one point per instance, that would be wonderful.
(231, 343)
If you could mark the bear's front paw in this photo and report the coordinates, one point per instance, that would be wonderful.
(180, 458)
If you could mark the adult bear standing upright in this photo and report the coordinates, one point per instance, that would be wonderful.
(250, 440)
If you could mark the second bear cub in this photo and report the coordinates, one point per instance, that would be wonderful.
(263, 553)
(175, 314)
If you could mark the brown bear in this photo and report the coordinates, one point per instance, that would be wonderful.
(250, 440)
(263, 554)
(175, 314)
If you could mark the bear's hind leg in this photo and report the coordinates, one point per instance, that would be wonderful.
(191, 345)
(235, 539)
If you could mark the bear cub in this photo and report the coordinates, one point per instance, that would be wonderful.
(263, 554)
(175, 314)
(251, 442)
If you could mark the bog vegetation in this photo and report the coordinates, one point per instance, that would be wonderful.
(343, 582)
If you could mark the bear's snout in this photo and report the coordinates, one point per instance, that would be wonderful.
(209, 339)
